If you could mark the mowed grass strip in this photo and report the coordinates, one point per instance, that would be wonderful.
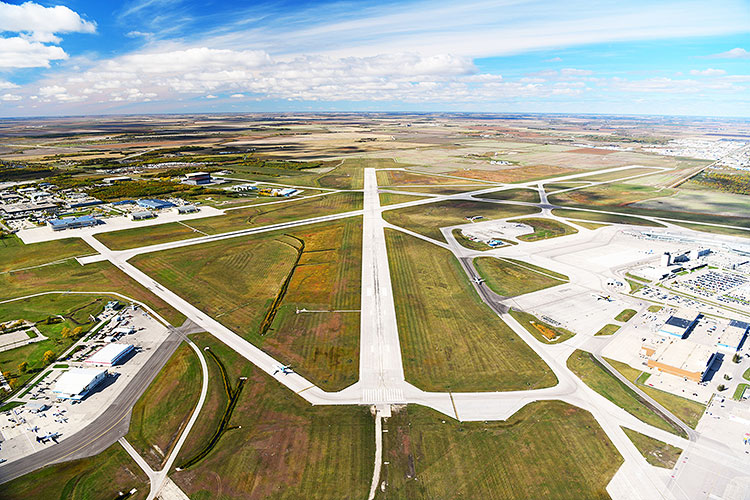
(428, 219)
(509, 279)
(657, 453)
(549, 450)
(470, 244)
(71, 276)
(401, 177)
(544, 229)
(102, 476)
(543, 332)
(277, 446)
(236, 280)
(602, 217)
(162, 412)
(687, 410)
(626, 315)
(14, 254)
(536, 268)
(528, 195)
(147, 235)
(395, 198)
(450, 339)
(609, 329)
(594, 375)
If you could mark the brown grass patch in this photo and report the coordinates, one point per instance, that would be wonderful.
(591, 151)
(514, 174)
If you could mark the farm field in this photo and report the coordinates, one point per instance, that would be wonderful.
(657, 453)
(101, 476)
(599, 379)
(71, 276)
(509, 280)
(445, 327)
(544, 229)
(163, 410)
(428, 219)
(15, 255)
(241, 280)
(543, 332)
(620, 174)
(431, 457)
(516, 194)
(278, 446)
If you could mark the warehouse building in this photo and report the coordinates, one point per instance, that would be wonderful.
(72, 222)
(76, 383)
(682, 358)
(109, 355)
(197, 178)
(141, 215)
(732, 336)
(154, 204)
(680, 326)
(186, 209)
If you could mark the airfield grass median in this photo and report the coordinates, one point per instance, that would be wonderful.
(626, 315)
(515, 194)
(543, 332)
(162, 412)
(96, 277)
(428, 219)
(544, 229)
(657, 453)
(587, 225)
(470, 244)
(450, 339)
(395, 198)
(594, 375)
(437, 189)
(602, 217)
(14, 254)
(240, 283)
(509, 279)
(125, 239)
(548, 449)
(609, 329)
(536, 268)
(687, 410)
(276, 445)
(102, 476)
(402, 177)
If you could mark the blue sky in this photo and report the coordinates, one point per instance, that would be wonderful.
(688, 57)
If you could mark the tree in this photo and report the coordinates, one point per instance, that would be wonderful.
(736, 358)
(77, 331)
(722, 387)
(23, 366)
(49, 357)
(65, 332)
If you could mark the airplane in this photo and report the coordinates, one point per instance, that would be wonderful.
(51, 436)
(477, 280)
(284, 369)
(33, 429)
(608, 298)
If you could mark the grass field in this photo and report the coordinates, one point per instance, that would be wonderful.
(470, 244)
(605, 195)
(403, 178)
(102, 476)
(508, 279)
(607, 330)
(626, 315)
(163, 410)
(15, 255)
(600, 217)
(687, 410)
(730, 231)
(97, 277)
(437, 189)
(428, 219)
(620, 174)
(394, 198)
(587, 225)
(657, 453)
(516, 194)
(548, 450)
(654, 309)
(278, 447)
(450, 339)
(602, 381)
(538, 269)
(543, 332)
(75, 310)
(544, 229)
(740, 391)
(517, 174)
(236, 281)
(233, 220)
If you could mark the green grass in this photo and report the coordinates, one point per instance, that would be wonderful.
(278, 446)
(516, 194)
(147, 235)
(529, 320)
(657, 453)
(102, 476)
(428, 219)
(394, 198)
(163, 410)
(626, 315)
(740, 391)
(549, 450)
(538, 269)
(654, 309)
(730, 231)
(607, 330)
(450, 339)
(11, 405)
(746, 375)
(634, 285)
(602, 217)
(470, 244)
(15, 255)
(544, 229)
(687, 410)
(585, 366)
(236, 280)
(509, 279)
(588, 225)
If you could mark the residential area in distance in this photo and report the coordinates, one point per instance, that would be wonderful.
(375, 306)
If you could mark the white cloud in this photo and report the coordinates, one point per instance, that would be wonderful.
(707, 72)
(678, 86)
(7, 85)
(16, 52)
(40, 23)
(237, 96)
(736, 53)
(553, 60)
(10, 97)
(211, 96)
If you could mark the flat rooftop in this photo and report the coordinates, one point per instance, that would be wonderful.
(684, 355)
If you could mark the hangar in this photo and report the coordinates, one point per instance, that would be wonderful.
(76, 383)
(109, 355)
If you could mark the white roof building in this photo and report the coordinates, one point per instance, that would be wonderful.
(109, 355)
(77, 382)
(733, 335)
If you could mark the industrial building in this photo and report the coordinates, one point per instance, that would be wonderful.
(154, 204)
(681, 358)
(24, 209)
(109, 355)
(732, 336)
(680, 326)
(72, 222)
(141, 215)
(186, 209)
(197, 178)
(76, 383)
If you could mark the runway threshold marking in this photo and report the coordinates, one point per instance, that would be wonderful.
(306, 388)
(454, 406)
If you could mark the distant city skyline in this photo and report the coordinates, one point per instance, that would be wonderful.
(81, 57)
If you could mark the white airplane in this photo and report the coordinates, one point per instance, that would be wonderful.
(477, 280)
(284, 369)
(33, 429)
(608, 298)
(50, 436)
